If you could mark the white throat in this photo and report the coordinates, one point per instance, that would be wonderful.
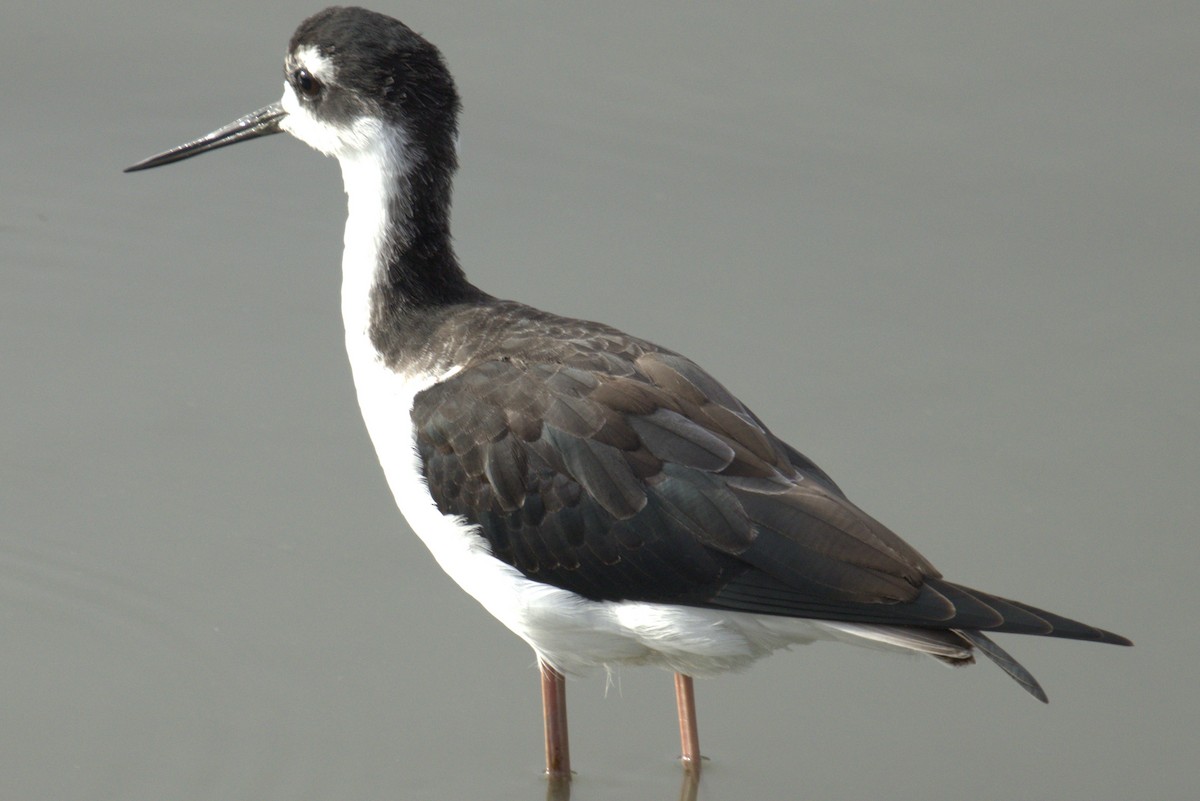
(370, 181)
(375, 161)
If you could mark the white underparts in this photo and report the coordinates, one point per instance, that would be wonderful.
(570, 632)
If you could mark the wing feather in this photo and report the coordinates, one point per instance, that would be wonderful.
(604, 465)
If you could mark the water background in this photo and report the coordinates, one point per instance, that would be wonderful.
(950, 251)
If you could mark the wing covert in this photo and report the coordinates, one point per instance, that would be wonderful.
(641, 477)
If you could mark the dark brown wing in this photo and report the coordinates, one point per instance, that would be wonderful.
(629, 473)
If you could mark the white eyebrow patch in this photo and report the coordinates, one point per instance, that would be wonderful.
(318, 66)
(332, 140)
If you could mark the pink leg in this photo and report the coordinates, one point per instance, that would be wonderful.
(554, 708)
(689, 733)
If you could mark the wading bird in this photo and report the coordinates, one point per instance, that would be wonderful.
(605, 498)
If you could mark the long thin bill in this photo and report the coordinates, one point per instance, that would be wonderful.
(263, 122)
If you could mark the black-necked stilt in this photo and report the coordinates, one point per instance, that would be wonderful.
(605, 498)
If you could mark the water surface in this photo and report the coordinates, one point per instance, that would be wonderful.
(948, 253)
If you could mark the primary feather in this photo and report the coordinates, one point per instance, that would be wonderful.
(601, 464)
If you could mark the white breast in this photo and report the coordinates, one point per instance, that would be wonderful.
(566, 630)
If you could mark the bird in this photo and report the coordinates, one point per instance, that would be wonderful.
(605, 498)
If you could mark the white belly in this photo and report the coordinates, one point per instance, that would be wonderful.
(566, 630)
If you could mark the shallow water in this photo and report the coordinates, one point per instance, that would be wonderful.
(951, 255)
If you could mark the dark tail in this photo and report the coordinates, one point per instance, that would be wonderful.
(980, 610)
(1009, 665)
(994, 613)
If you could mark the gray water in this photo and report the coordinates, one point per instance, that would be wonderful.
(950, 252)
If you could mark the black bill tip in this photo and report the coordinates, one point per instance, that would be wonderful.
(263, 122)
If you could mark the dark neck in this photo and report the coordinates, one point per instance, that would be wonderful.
(399, 267)
(418, 265)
